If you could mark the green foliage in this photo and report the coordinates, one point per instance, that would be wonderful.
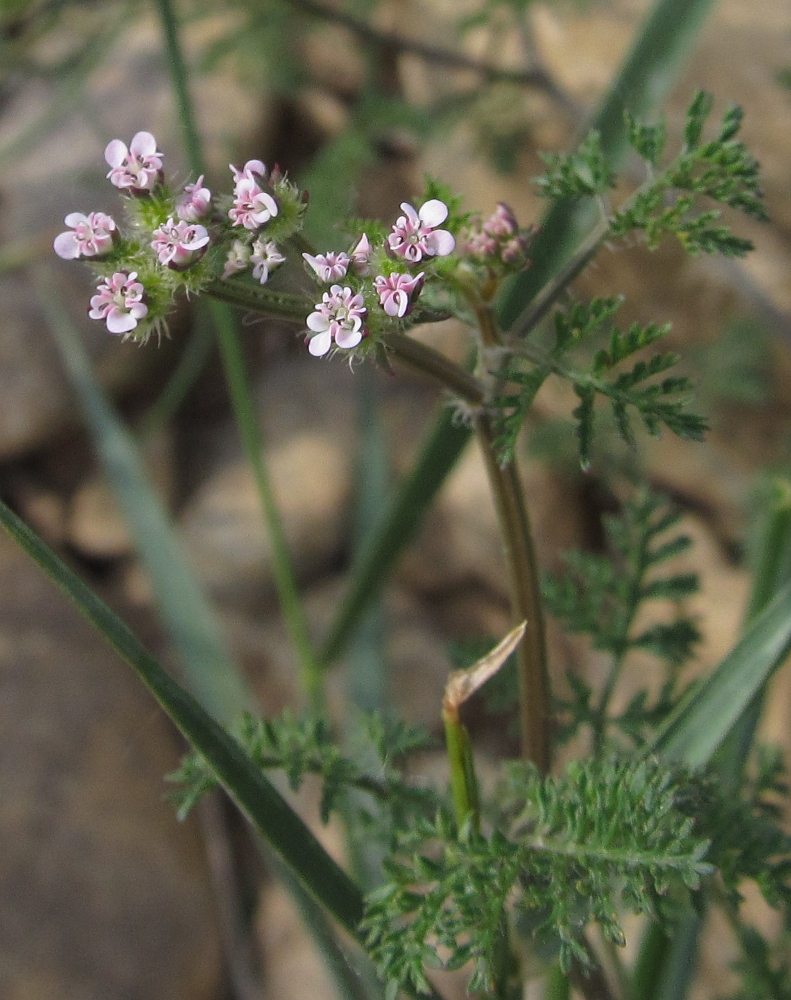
(764, 975)
(748, 840)
(601, 595)
(636, 390)
(300, 747)
(721, 170)
(571, 850)
(585, 172)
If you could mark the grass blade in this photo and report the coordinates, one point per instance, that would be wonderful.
(256, 797)
(699, 725)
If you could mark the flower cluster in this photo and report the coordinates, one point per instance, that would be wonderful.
(186, 240)
(498, 242)
(381, 284)
(175, 240)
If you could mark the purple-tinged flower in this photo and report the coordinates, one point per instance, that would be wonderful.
(360, 255)
(266, 257)
(515, 251)
(339, 317)
(415, 235)
(329, 266)
(194, 201)
(398, 292)
(238, 258)
(480, 244)
(90, 236)
(252, 206)
(250, 171)
(137, 169)
(502, 223)
(119, 302)
(179, 244)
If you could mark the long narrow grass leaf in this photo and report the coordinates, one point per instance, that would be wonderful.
(256, 797)
(700, 724)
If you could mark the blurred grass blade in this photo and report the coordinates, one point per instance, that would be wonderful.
(263, 805)
(666, 966)
(698, 726)
(396, 529)
(189, 620)
(70, 91)
(191, 363)
(771, 569)
(643, 82)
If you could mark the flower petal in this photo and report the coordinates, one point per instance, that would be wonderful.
(440, 242)
(349, 338)
(115, 153)
(143, 144)
(320, 344)
(433, 212)
(67, 246)
(119, 321)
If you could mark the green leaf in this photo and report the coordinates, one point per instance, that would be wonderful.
(694, 731)
(260, 802)
(698, 113)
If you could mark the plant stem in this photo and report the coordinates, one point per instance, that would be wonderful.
(515, 530)
(531, 655)
(424, 359)
(463, 785)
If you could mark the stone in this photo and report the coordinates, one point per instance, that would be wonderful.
(103, 895)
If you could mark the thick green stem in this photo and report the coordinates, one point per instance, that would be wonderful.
(531, 655)
(463, 785)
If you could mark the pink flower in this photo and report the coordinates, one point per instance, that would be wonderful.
(238, 258)
(415, 235)
(398, 292)
(361, 251)
(137, 169)
(251, 170)
(179, 244)
(119, 302)
(502, 223)
(329, 266)
(340, 316)
(266, 258)
(194, 202)
(90, 236)
(252, 206)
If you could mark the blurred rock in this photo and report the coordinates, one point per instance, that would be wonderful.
(223, 524)
(103, 894)
(96, 527)
(309, 412)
